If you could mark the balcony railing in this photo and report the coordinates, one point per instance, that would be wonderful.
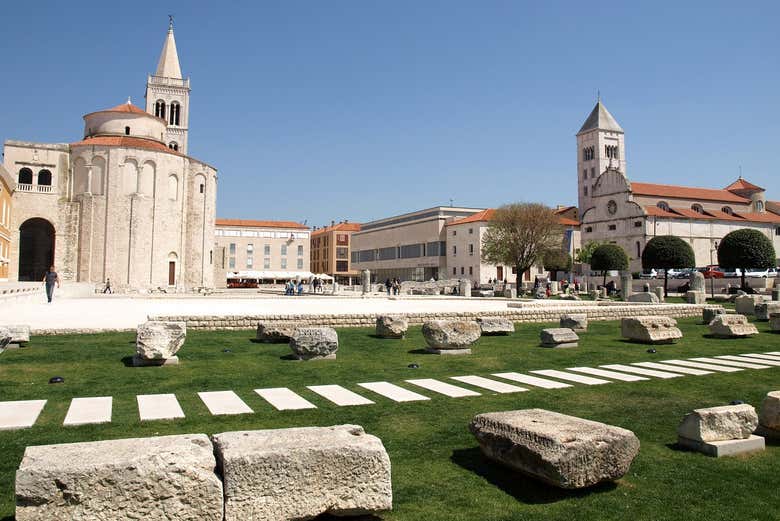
(24, 187)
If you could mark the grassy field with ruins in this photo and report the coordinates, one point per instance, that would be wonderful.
(438, 470)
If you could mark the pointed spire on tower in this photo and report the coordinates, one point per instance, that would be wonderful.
(168, 66)
(600, 118)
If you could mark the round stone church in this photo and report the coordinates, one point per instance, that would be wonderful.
(125, 203)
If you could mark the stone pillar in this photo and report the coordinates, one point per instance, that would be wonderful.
(464, 288)
(366, 281)
(626, 287)
(554, 287)
(659, 292)
(335, 288)
(776, 294)
(604, 293)
(646, 287)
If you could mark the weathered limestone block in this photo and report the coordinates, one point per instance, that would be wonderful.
(559, 337)
(707, 314)
(770, 411)
(650, 329)
(451, 335)
(746, 304)
(647, 297)
(727, 422)
(774, 321)
(510, 293)
(561, 450)
(275, 333)
(732, 326)
(300, 473)
(659, 292)
(697, 282)
(491, 326)
(158, 342)
(764, 309)
(464, 288)
(308, 343)
(5, 337)
(159, 478)
(391, 326)
(575, 321)
(695, 297)
(20, 334)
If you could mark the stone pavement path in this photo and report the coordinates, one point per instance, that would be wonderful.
(92, 410)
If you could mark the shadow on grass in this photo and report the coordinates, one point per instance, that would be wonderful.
(289, 357)
(420, 352)
(330, 517)
(380, 337)
(268, 342)
(680, 448)
(521, 487)
(9, 518)
(128, 361)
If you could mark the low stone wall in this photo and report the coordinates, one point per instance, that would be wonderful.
(529, 314)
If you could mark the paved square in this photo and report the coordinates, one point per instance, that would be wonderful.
(284, 399)
(532, 380)
(224, 402)
(339, 395)
(453, 391)
(491, 385)
(158, 407)
(644, 372)
(587, 380)
(394, 392)
(607, 374)
(83, 411)
(20, 414)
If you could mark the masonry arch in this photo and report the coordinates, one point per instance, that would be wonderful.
(36, 248)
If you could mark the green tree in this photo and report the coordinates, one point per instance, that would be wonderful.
(555, 259)
(586, 251)
(519, 234)
(666, 252)
(608, 257)
(745, 249)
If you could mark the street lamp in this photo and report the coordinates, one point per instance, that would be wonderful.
(712, 279)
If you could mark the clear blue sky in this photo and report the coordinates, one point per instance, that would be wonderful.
(361, 109)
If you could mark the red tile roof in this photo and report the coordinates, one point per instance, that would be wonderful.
(654, 211)
(741, 184)
(691, 214)
(685, 192)
(755, 217)
(686, 213)
(565, 221)
(341, 227)
(126, 141)
(128, 108)
(247, 223)
(486, 215)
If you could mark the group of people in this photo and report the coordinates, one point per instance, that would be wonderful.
(393, 285)
(293, 288)
(317, 285)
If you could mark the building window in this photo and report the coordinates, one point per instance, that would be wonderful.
(637, 224)
(697, 208)
(266, 249)
(284, 263)
(585, 190)
(232, 248)
(471, 231)
(727, 210)
(175, 112)
(777, 231)
(589, 229)
(232, 263)
(202, 188)
(300, 250)
(25, 176)
(462, 271)
(471, 249)
(266, 263)
(638, 250)
(454, 251)
(454, 271)
(471, 270)
(300, 264)
(173, 145)
(159, 109)
(663, 205)
(454, 232)
(284, 249)
(249, 263)
(584, 174)
(250, 248)
(44, 178)
(759, 206)
(127, 131)
(612, 227)
(592, 173)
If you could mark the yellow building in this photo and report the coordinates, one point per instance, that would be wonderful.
(7, 185)
(331, 251)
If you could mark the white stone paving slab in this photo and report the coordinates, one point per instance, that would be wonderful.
(339, 395)
(224, 402)
(607, 374)
(733, 363)
(284, 399)
(639, 370)
(587, 380)
(699, 365)
(747, 359)
(20, 414)
(89, 410)
(487, 383)
(532, 380)
(677, 369)
(453, 391)
(762, 356)
(392, 391)
(773, 353)
(158, 407)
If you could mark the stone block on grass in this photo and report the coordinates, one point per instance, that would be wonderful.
(763, 310)
(707, 314)
(559, 337)
(746, 304)
(311, 343)
(300, 473)
(769, 416)
(391, 326)
(695, 297)
(732, 326)
(451, 336)
(774, 321)
(650, 329)
(20, 334)
(726, 422)
(275, 333)
(158, 342)
(491, 326)
(643, 296)
(560, 450)
(577, 322)
(158, 478)
(5, 337)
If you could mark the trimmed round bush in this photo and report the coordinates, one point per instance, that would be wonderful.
(745, 249)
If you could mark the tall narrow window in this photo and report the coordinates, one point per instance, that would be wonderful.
(127, 131)
(25, 176)
(175, 111)
(44, 178)
(159, 109)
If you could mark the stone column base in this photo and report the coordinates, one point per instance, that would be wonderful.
(719, 449)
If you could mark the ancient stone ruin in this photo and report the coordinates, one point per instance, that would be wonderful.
(158, 342)
(650, 329)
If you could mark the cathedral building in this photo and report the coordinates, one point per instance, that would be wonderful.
(125, 202)
(615, 209)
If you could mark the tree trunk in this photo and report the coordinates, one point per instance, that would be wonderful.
(605, 278)
(744, 288)
(666, 283)
(518, 279)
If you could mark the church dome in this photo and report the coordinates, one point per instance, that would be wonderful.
(124, 120)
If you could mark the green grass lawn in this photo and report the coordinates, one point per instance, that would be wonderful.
(438, 471)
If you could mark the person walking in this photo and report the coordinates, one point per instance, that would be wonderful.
(108, 289)
(49, 279)
(388, 285)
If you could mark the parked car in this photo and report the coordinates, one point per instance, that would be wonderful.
(712, 272)
(732, 274)
(771, 272)
(684, 273)
(648, 274)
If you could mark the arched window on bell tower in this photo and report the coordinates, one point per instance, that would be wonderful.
(175, 113)
(159, 109)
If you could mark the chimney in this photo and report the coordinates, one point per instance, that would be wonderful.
(333, 223)
(346, 221)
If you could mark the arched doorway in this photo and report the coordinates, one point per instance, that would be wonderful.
(36, 249)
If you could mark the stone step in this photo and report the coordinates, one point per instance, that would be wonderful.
(487, 383)
(158, 407)
(224, 402)
(731, 363)
(676, 369)
(453, 391)
(700, 365)
(644, 372)
(392, 391)
(570, 377)
(83, 411)
(339, 395)
(283, 399)
(607, 374)
(748, 359)
(20, 414)
(760, 356)
(532, 380)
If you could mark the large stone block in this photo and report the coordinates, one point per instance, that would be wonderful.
(308, 343)
(774, 321)
(5, 337)
(458, 335)
(643, 296)
(695, 297)
(300, 473)
(559, 337)
(707, 314)
(770, 411)
(697, 282)
(727, 422)
(764, 309)
(650, 329)
(659, 292)
(275, 333)
(20, 334)
(158, 341)
(575, 321)
(491, 326)
(159, 478)
(731, 326)
(746, 304)
(391, 326)
(564, 451)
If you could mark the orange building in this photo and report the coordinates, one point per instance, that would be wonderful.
(7, 185)
(331, 251)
